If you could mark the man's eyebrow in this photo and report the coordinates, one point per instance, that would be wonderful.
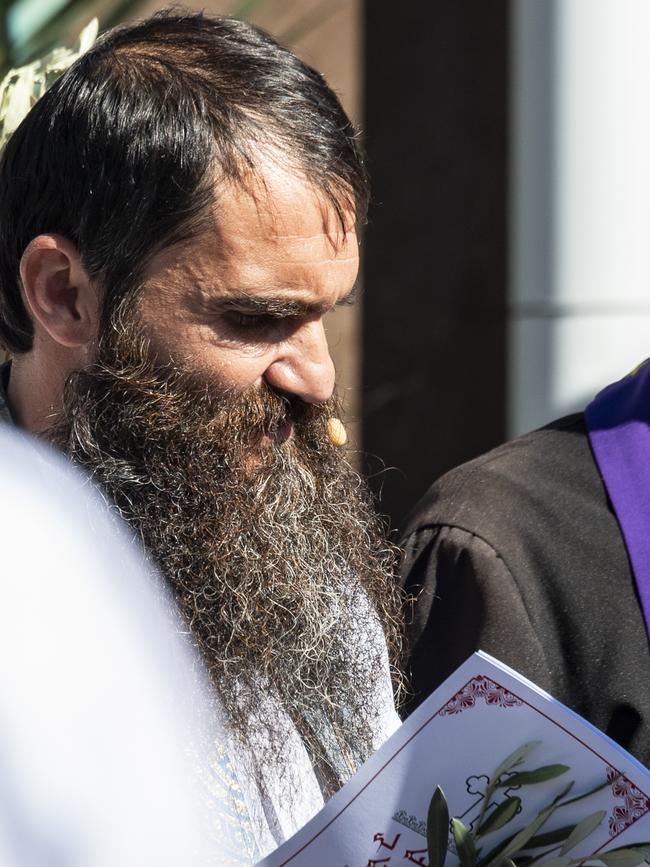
(260, 305)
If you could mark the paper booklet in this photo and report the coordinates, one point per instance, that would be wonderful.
(457, 739)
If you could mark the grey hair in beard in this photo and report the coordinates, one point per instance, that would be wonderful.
(274, 552)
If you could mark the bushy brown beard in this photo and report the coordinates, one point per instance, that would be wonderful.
(273, 550)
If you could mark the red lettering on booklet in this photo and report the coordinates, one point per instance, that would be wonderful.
(379, 838)
(414, 856)
(410, 856)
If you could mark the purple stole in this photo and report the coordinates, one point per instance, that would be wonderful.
(618, 422)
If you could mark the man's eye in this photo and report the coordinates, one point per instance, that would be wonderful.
(252, 321)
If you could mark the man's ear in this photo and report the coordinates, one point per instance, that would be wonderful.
(58, 291)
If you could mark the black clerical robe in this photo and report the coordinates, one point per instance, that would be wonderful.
(518, 553)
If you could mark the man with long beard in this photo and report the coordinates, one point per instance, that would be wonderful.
(177, 214)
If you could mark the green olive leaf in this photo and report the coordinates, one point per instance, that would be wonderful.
(499, 816)
(582, 830)
(593, 791)
(492, 856)
(550, 838)
(511, 761)
(515, 758)
(559, 861)
(565, 791)
(628, 857)
(642, 846)
(464, 843)
(520, 840)
(437, 828)
(539, 775)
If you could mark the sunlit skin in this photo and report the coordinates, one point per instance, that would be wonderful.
(242, 304)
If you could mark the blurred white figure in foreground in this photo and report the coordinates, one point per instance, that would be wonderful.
(97, 693)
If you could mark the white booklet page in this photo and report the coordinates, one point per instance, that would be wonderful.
(456, 739)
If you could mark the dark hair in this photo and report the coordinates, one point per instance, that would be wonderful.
(121, 154)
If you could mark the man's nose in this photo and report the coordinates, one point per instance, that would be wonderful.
(303, 366)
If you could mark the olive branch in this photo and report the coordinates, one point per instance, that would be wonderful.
(530, 845)
(21, 88)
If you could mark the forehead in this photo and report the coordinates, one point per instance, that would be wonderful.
(277, 236)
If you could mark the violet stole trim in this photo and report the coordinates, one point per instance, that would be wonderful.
(618, 422)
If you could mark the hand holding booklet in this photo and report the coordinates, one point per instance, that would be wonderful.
(489, 771)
